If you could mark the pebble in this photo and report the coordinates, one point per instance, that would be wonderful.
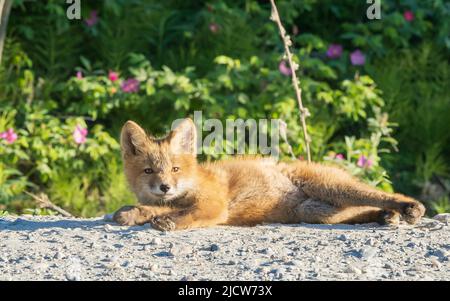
(108, 228)
(438, 253)
(418, 268)
(267, 251)
(73, 271)
(411, 273)
(371, 242)
(443, 217)
(153, 267)
(156, 241)
(433, 225)
(126, 264)
(411, 245)
(58, 255)
(342, 237)
(181, 250)
(73, 276)
(368, 253)
(293, 262)
(435, 264)
(41, 266)
(352, 269)
(214, 248)
(112, 265)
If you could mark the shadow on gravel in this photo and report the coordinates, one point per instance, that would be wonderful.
(358, 227)
(27, 225)
(21, 224)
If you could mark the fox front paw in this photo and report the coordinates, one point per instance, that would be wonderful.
(412, 212)
(127, 216)
(163, 223)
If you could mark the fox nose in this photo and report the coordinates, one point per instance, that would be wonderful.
(164, 188)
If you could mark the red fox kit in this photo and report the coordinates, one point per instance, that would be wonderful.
(175, 192)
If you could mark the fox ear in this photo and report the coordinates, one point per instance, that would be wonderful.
(183, 137)
(133, 138)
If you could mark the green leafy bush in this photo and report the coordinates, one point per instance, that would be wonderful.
(377, 90)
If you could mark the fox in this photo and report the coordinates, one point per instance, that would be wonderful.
(176, 192)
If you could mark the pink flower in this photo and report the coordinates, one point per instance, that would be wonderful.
(364, 162)
(93, 18)
(334, 51)
(357, 58)
(10, 136)
(130, 85)
(284, 69)
(113, 76)
(408, 15)
(79, 75)
(79, 134)
(214, 27)
(340, 157)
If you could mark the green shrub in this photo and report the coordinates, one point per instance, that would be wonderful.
(221, 58)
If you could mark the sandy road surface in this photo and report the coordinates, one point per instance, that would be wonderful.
(56, 248)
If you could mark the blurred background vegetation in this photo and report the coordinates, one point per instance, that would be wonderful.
(378, 90)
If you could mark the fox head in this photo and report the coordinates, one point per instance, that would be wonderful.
(159, 169)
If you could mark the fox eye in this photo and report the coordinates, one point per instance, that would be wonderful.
(175, 169)
(148, 170)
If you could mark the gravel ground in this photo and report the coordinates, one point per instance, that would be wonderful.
(56, 248)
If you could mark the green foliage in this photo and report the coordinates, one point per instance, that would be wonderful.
(12, 183)
(222, 58)
(371, 148)
(416, 93)
(441, 205)
(91, 193)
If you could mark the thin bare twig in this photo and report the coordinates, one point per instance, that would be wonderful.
(295, 82)
(44, 202)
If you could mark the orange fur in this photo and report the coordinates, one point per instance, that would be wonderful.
(244, 190)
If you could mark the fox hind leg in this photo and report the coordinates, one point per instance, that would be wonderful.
(338, 187)
(319, 212)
